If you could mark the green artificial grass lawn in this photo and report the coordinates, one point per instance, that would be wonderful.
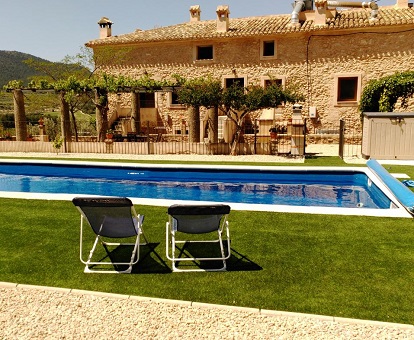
(347, 266)
(344, 266)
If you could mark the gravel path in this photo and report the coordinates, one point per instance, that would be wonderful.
(28, 312)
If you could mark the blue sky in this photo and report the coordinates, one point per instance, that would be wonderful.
(53, 29)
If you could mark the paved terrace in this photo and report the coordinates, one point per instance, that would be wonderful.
(316, 149)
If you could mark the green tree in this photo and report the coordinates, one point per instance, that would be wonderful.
(238, 102)
(381, 95)
(92, 79)
(73, 94)
(201, 92)
(19, 115)
(235, 101)
(103, 85)
(63, 77)
(145, 84)
(19, 110)
(120, 84)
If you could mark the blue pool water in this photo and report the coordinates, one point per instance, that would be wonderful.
(343, 188)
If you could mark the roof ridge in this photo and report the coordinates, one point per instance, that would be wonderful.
(272, 24)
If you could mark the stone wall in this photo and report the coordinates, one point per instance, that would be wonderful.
(309, 62)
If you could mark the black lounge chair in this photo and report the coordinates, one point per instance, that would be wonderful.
(110, 218)
(118, 137)
(197, 220)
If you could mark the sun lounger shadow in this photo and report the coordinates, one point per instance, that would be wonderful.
(150, 261)
(199, 251)
(240, 262)
(236, 261)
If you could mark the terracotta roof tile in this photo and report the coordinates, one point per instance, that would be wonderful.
(261, 26)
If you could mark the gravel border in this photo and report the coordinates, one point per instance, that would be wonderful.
(35, 312)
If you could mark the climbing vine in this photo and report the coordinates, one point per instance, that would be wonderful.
(381, 95)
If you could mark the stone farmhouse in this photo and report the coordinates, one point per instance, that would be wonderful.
(328, 49)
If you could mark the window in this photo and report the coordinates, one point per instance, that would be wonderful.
(180, 128)
(204, 52)
(347, 89)
(269, 82)
(268, 49)
(147, 100)
(172, 99)
(228, 82)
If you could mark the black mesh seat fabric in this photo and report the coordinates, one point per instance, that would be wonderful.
(213, 209)
(197, 220)
(110, 218)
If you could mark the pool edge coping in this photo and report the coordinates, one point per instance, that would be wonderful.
(400, 211)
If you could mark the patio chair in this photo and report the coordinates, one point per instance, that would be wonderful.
(118, 137)
(110, 218)
(197, 220)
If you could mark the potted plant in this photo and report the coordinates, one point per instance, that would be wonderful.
(109, 134)
(278, 129)
(57, 143)
(273, 132)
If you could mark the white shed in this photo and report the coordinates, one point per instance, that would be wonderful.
(388, 135)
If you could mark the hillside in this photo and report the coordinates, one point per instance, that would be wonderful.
(12, 67)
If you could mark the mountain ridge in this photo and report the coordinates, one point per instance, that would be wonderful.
(12, 67)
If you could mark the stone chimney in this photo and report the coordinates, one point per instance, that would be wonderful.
(195, 13)
(320, 12)
(402, 4)
(223, 13)
(105, 30)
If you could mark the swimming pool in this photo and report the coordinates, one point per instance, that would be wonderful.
(321, 190)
